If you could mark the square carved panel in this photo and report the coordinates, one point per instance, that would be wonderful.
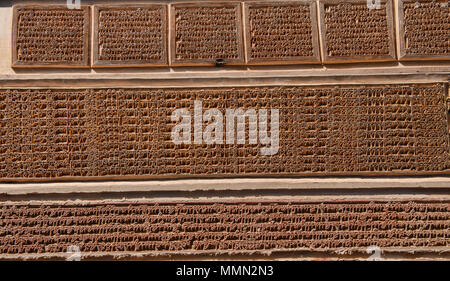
(130, 35)
(50, 36)
(281, 32)
(353, 31)
(424, 30)
(205, 32)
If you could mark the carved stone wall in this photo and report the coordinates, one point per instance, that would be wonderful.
(425, 29)
(130, 35)
(224, 228)
(281, 32)
(351, 31)
(205, 32)
(264, 32)
(51, 36)
(57, 133)
(359, 94)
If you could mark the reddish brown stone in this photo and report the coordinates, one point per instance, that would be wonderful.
(324, 130)
(50, 36)
(281, 32)
(351, 32)
(205, 32)
(424, 29)
(130, 35)
(227, 227)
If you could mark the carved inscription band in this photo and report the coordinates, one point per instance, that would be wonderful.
(203, 33)
(223, 227)
(287, 131)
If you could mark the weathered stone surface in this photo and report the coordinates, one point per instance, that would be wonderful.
(351, 32)
(50, 36)
(62, 133)
(424, 29)
(281, 32)
(277, 32)
(228, 227)
(204, 32)
(130, 35)
(370, 123)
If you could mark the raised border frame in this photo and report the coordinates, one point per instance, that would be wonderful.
(402, 39)
(97, 63)
(86, 38)
(351, 59)
(205, 62)
(315, 59)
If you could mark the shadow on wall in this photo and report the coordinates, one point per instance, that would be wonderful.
(35, 70)
(7, 3)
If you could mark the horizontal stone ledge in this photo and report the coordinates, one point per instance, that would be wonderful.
(355, 70)
(225, 184)
(230, 79)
